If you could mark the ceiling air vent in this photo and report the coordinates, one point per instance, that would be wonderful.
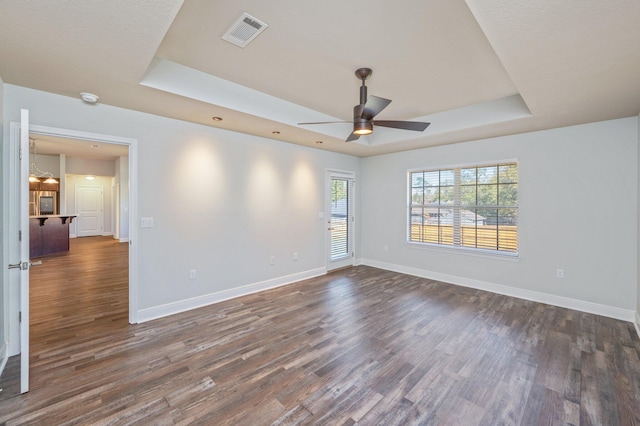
(244, 30)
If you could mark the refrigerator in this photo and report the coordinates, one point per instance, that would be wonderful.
(43, 203)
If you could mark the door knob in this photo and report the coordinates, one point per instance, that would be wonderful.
(15, 265)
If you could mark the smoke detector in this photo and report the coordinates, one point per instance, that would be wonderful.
(89, 98)
(244, 30)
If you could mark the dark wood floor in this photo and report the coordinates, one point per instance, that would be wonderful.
(360, 345)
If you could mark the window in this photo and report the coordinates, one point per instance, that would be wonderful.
(470, 207)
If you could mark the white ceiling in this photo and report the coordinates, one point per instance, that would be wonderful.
(474, 68)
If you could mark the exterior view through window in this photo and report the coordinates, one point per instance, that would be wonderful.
(473, 207)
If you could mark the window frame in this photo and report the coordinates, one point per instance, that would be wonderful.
(458, 246)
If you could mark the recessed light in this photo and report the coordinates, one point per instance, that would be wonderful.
(95, 146)
(89, 98)
(275, 132)
(216, 118)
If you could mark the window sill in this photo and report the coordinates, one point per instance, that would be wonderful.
(488, 254)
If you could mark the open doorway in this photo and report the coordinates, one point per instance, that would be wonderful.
(126, 203)
(94, 146)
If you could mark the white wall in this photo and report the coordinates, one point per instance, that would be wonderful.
(578, 197)
(222, 202)
(46, 163)
(102, 182)
(81, 166)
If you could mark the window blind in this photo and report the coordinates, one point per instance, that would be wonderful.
(341, 214)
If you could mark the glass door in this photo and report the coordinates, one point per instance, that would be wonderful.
(340, 220)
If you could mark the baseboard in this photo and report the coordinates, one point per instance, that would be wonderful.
(123, 240)
(534, 296)
(104, 234)
(156, 312)
(637, 323)
(4, 356)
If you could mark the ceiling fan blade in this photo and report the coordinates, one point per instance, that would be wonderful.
(326, 122)
(406, 125)
(352, 137)
(373, 107)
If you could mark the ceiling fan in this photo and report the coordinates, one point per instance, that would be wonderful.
(364, 113)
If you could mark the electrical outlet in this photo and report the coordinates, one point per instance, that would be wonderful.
(295, 256)
(386, 248)
(273, 260)
(560, 273)
(192, 274)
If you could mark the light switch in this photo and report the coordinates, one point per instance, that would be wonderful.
(146, 222)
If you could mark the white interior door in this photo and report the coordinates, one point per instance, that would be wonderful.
(18, 236)
(89, 210)
(340, 221)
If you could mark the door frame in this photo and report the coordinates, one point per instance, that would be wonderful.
(132, 145)
(351, 261)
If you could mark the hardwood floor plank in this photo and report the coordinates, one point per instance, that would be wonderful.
(544, 407)
(554, 362)
(356, 346)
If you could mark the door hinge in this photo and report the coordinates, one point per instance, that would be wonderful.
(19, 235)
(20, 316)
(20, 153)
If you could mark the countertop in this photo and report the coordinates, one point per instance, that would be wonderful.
(44, 216)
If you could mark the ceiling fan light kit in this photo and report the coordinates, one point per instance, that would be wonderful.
(368, 108)
(362, 127)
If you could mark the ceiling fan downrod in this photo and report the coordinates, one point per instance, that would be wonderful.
(363, 74)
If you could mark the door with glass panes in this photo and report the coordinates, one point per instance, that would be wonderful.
(340, 219)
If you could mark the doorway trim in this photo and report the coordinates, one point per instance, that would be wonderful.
(132, 144)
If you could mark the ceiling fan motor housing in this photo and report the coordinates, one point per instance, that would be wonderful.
(361, 126)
